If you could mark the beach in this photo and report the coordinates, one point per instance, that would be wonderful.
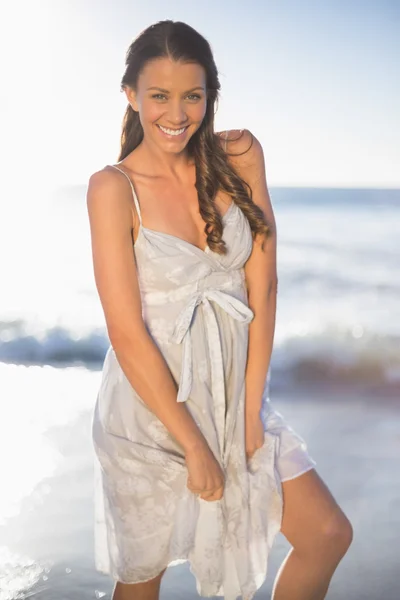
(46, 529)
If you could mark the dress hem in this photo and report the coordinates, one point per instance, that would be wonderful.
(258, 581)
(309, 468)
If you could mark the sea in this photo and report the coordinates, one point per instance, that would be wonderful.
(337, 328)
(338, 310)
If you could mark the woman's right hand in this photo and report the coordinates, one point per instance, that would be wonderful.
(206, 477)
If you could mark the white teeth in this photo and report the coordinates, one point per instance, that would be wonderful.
(172, 131)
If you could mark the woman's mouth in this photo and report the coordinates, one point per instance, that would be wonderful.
(173, 133)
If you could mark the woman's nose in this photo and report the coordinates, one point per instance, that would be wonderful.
(177, 113)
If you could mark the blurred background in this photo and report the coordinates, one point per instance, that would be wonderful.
(317, 83)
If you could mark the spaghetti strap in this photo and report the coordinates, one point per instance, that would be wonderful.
(135, 198)
(226, 139)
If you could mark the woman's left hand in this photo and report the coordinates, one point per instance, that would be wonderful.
(254, 431)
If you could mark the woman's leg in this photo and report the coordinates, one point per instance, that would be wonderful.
(149, 590)
(320, 534)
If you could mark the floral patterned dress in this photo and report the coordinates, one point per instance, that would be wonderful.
(195, 309)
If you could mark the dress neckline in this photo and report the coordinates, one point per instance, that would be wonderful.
(179, 239)
(162, 233)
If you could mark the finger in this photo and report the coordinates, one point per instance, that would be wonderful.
(214, 495)
(192, 487)
(211, 498)
(200, 491)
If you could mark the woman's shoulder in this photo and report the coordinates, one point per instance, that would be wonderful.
(233, 135)
(110, 191)
(242, 146)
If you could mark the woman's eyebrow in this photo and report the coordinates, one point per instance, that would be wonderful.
(199, 87)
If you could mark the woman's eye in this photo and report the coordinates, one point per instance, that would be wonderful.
(163, 96)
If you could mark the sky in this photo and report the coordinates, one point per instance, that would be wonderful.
(316, 82)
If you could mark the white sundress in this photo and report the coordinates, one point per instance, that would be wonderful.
(196, 311)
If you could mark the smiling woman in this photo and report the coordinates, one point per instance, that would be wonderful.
(174, 111)
(192, 459)
(171, 115)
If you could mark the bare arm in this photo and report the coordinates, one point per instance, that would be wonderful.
(261, 276)
(110, 206)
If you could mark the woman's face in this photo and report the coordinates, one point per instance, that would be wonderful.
(171, 101)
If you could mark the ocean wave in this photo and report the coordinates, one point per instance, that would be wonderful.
(54, 346)
(340, 357)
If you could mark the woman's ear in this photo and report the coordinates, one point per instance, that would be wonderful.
(131, 97)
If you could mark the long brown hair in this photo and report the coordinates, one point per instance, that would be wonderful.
(180, 42)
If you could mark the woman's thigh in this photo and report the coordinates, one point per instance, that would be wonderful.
(311, 515)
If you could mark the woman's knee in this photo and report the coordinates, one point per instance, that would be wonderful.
(337, 531)
(343, 530)
(313, 522)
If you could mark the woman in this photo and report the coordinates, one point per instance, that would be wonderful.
(195, 463)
